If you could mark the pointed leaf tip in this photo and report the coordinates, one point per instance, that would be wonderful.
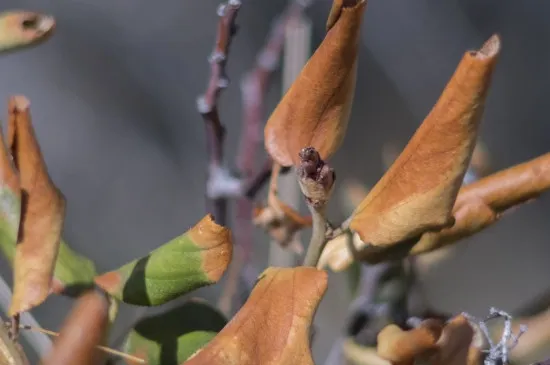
(315, 110)
(42, 213)
(490, 48)
(418, 191)
(273, 325)
(20, 29)
(197, 258)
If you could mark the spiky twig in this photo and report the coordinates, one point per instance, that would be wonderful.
(219, 178)
(498, 352)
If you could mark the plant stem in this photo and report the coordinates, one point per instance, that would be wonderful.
(41, 344)
(105, 349)
(318, 236)
(207, 103)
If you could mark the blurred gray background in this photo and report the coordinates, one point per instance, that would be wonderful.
(113, 100)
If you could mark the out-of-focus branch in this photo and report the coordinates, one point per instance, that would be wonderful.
(219, 179)
(254, 87)
(40, 343)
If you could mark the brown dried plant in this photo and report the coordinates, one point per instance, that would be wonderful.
(422, 203)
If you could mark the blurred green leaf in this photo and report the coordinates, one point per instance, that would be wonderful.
(20, 29)
(73, 272)
(172, 337)
(197, 258)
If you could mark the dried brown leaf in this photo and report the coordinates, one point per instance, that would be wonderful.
(279, 219)
(273, 326)
(281, 222)
(43, 210)
(483, 202)
(431, 343)
(83, 330)
(453, 347)
(402, 347)
(315, 110)
(418, 192)
(478, 205)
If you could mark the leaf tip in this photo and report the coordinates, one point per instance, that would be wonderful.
(216, 244)
(110, 281)
(490, 48)
(19, 103)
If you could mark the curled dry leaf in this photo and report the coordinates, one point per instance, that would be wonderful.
(418, 192)
(483, 202)
(316, 108)
(11, 353)
(432, 342)
(83, 330)
(279, 219)
(477, 206)
(401, 347)
(172, 337)
(19, 29)
(197, 258)
(273, 326)
(282, 223)
(42, 214)
(72, 271)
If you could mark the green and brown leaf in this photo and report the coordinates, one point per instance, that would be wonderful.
(192, 260)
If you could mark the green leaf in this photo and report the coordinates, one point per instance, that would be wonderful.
(73, 272)
(195, 259)
(172, 337)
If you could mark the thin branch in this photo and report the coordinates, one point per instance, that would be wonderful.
(207, 103)
(254, 87)
(318, 240)
(40, 343)
(105, 349)
(316, 180)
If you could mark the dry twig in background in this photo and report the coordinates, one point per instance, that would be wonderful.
(220, 183)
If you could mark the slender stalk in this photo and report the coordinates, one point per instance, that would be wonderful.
(208, 108)
(318, 236)
(41, 344)
(105, 349)
(297, 50)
